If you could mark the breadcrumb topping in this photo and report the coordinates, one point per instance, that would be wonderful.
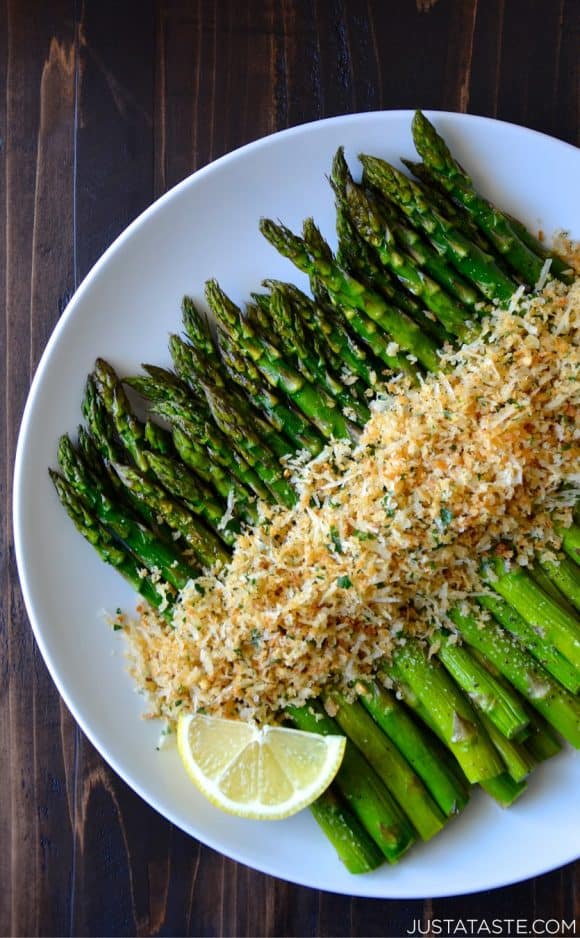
(389, 533)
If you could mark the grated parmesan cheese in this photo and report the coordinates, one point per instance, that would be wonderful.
(389, 532)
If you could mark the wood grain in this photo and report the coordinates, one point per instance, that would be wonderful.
(104, 107)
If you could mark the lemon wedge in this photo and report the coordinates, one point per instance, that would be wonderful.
(266, 773)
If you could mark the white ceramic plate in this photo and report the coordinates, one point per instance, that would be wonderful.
(208, 227)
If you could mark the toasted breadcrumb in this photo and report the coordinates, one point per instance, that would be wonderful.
(389, 533)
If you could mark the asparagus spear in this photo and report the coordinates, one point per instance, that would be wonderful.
(146, 547)
(107, 547)
(534, 683)
(542, 743)
(314, 403)
(130, 430)
(494, 223)
(354, 846)
(243, 372)
(201, 430)
(345, 328)
(503, 789)
(293, 341)
(398, 776)
(421, 751)
(365, 356)
(542, 578)
(362, 789)
(203, 371)
(518, 760)
(282, 311)
(502, 708)
(566, 576)
(542, 650)
(136, 437)
(158, 439)
(373, 229)
(436, 194)
(100, 448)
(571, 541)
(310, 254)
(198, 497)
(441, 201)
(467, 257)
(356, 256)
(99, 425)
(195, 458)
(538, 609)
(417, 247)
(451, 712)
(250, 446)
(206, 546)
(347, 359)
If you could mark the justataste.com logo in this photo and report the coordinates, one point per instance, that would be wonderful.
(494, 926)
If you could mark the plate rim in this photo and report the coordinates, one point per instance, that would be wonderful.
(17, 493)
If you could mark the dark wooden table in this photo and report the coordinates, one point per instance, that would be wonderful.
(104, 106)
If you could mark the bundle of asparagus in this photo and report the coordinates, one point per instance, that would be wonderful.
(417, 264)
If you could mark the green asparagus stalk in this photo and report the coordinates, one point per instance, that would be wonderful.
(315, 405)
(294, 343)
(537, 608)
(549, 586)
(494, 224)
(373, 229)
(203, 372)
(441, 201)
(476, 265)
(542, 743)
(146, 547)
(542, 650)
(243, 372)
(108, 548)
(518, 760)
(130, 430)
(354, 846)
(202, 430)
(250, 446)
(503, 789)
(356, 257)
(411, 241)
(158, 439)
(422, 752)
(451, 712)
(314, 324)
(206, 546)
(566, 576)
(436, 194)
(100, 447)
(195, 457)
(571, 541)
(399, 777)
(310, 255)
(362, 789)
(334, 332)
(501, 706)
(153, 504)
(198, 497)
(99, 424)
(534, 683)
